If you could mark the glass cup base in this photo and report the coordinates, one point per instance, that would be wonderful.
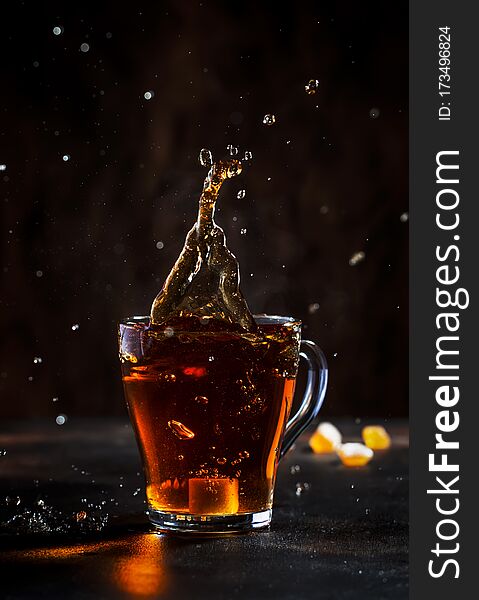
(185, 523)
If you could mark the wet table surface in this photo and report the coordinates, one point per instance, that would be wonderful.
(72, 524)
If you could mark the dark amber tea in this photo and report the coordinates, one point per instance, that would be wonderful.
(209, 387)
(209, 409)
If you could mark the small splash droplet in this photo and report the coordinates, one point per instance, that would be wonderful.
(160, 245)
(85, 47)
(312, 308)
(37, 360)
(241, 194)
(248, 155)
(404, 218)
(294, 469)
(80, 516)
(61, 419)
(374, 113)
(3, 167)
(57, 30)
(180, 457)
(269, 120)
(211, 358)
(356, 258)
(39, 273)
(66, 157)
(233, 150)
(148, 95)
(243, 231)
(205, 158)
(55, 399)
(221, 461)
(201, 399)
(181, 431)
(311, 87)
(243, 454)
(75, 327)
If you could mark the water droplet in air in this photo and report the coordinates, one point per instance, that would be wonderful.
(241, 194)
(55, 399)
(356, 258)
(3, 452)
(233, 150)
(75, 327)
(311, 87)
(243, 454)
(404, 218)
(66, 157)
(243, 231)
(312, 308)
(85, 47)
(80, 516)
(269, 120)
(181, 431)
(374, 113)
(169, 332)
(39, 273)
(201, 399)
(205, 158)
(248, 155)
(149, 94)
(294, 469)
(37, 360)
(61, 420)
(221, 461)
(211, 358)
(160, 245)
(57, 30)
(3, 167)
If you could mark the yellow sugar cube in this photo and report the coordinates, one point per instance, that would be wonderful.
(327, 438)
(376, 437)
(354, 455)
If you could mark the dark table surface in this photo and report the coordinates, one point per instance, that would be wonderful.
(72, 524)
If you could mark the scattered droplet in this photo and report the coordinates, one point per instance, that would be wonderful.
(181, 457)
(311, 87)
(37, 360)
(356, 258)
(61, 420)
(75, 327)
(66, 157)
(149, 94)
(241, 194)
(205, 158)
(39, 273)
(243, 454)
(374, 113)
(294, 469)
(80, 516)
(233, 150)
(169, 332)
(301, 487)
(3, 452)
(85, 47)
(404, 218)
(221, 461)
(57, 30)
(312, 308)
(248, 155)
(160, 245)
(243, 231)
(3, 167)
(211, 358)
(269, 120)
(201, 399)
(55, 399)
(181, 431)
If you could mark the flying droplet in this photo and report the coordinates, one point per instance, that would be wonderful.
(234, 168)
(205, 158)
(3, 167)
(85, 47)
(75, 327)
(356, 258)
(374, 113)
(311, 87)
(269, 120)
(181, 431)
(248, 155)
(221, 461)
(37, 360)
(80, 516)
(57, 30)
(241, 194)
(61, 419)
(243, 231)
(404, 218)
(312, 308)
(149, 94)
(233, 150)
(201, 399)
(66, 157)
(160, 245)
(211, 358)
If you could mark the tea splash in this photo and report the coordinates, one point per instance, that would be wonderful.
(204, 283)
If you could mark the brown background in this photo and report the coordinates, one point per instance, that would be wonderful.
(90, 225)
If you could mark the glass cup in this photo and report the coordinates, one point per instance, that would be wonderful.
(211, 413)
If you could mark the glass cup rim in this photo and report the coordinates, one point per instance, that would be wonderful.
(260, 319)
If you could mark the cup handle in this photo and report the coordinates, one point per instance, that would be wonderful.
(313, 396)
